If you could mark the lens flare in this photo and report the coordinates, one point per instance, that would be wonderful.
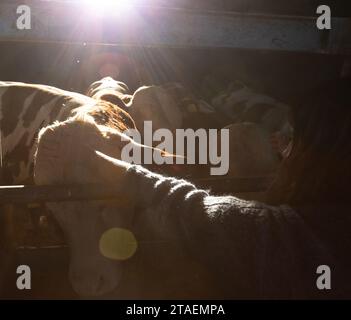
(106, 7)
(118, 244)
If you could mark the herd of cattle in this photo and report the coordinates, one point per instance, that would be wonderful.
(255, 123)
(252, 119)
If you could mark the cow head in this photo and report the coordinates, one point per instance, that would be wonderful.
(110, 90)
(155, 104)
(107, 83)
(66, 155)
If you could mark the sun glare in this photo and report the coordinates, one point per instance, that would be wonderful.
(106, 7)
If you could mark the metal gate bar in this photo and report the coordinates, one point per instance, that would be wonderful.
(56, 21)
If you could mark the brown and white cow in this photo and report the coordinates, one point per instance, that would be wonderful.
(26, 108)
(240, 103)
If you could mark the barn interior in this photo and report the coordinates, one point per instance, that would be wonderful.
(286, 69)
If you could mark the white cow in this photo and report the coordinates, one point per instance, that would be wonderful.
(240, 103)
(66, 155)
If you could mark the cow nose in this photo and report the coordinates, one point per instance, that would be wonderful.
(90, 284)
